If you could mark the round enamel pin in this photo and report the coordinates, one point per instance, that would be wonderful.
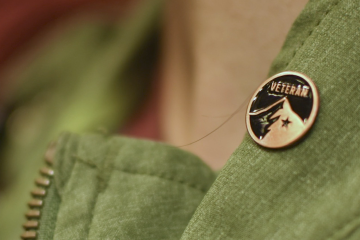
(282, 110)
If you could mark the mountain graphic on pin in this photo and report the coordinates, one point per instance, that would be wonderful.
(278, 122)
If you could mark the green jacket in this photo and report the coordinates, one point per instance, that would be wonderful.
(119, 188)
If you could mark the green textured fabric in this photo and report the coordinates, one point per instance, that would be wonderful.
(121, 188)
(311, 190)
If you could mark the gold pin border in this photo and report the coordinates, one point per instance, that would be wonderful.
(311, 119)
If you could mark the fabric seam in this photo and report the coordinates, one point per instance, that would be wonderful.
(99, 187)
(311, 31)
(91, 164)
(68, 142)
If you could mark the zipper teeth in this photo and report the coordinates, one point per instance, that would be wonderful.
(36, 204)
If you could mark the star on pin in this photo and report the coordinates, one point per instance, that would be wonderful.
(286, 122)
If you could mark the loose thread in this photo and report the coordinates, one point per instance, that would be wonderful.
(222, 124)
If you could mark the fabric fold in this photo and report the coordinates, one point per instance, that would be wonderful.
(122, 188)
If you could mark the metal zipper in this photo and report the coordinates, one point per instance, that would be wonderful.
(33, 215)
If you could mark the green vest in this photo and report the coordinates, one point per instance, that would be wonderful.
(119, 188)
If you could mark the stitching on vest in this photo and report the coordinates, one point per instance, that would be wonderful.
(102, 185)
(93, 209)
(194, 186)
(68, 142)
(312, 30)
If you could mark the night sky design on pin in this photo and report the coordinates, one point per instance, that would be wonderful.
(282, 110)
